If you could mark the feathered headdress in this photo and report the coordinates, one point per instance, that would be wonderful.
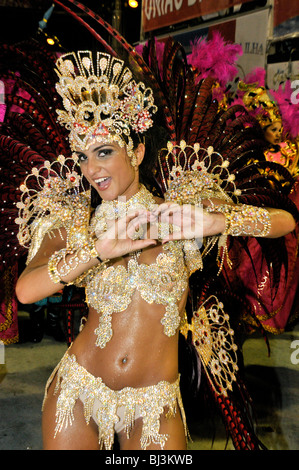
(268, 105)
(260, 105)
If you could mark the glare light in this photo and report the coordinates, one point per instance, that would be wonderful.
(133, 3)
(50, 41)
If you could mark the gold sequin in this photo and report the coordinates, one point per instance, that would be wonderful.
(101, 100)
(111, 290)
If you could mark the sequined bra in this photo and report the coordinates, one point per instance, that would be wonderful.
(111, 289)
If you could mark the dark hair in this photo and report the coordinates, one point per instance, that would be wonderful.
(154, 140)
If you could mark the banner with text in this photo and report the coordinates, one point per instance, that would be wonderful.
(160, 13)
(252, 33)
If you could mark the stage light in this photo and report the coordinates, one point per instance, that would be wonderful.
(133, 3)
(50, 41)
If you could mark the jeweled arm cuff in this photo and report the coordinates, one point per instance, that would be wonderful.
(244, 220)
(240, 220)
(76, 255)
(193, 258)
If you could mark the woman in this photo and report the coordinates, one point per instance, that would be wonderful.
(121, 372)
(280, 151)
(280, 148)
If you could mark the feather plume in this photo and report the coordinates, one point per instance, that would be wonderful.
(215, 58)
(287, 101)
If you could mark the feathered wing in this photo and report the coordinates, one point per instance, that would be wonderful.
(234, 134)
(237, 137)
(29, 136)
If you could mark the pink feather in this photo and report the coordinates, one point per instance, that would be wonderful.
(257, 75)
(285, 98)
(215, 57)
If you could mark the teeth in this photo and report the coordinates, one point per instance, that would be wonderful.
(100, 180)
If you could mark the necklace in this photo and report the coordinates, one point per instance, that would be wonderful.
(112, 210)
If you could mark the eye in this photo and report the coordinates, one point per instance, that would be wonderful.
(105, 152)
(81, 157)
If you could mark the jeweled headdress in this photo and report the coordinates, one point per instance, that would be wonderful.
(102, 100)
(257, 101)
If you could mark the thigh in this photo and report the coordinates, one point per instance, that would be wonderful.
(173, 427)
(76, 436)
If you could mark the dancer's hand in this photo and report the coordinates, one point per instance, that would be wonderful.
(189, 221)
(120, 235)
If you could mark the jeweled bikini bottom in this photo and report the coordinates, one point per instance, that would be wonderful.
(113, 410)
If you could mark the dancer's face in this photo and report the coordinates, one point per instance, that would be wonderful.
(108, 168)
(273, 133)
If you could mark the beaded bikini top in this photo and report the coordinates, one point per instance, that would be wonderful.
(110, 289)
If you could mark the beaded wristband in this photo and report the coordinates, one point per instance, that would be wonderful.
(93, 250)
(52, 270)
(78, 255)
(243, 220)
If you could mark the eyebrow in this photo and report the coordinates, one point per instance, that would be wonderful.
(96, 149)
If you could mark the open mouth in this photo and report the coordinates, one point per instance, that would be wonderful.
(103, 183)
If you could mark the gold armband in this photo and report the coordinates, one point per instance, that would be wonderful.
(240, 220)
(77, 255)
(52, 269)
(93, 250)
(244, 220)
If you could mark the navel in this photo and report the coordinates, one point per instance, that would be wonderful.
(124, 360)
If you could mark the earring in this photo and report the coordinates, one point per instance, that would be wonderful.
(134, 161)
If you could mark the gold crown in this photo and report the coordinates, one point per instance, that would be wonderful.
(258, 101)
(102, 101)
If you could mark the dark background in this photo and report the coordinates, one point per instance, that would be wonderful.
(19, 21)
